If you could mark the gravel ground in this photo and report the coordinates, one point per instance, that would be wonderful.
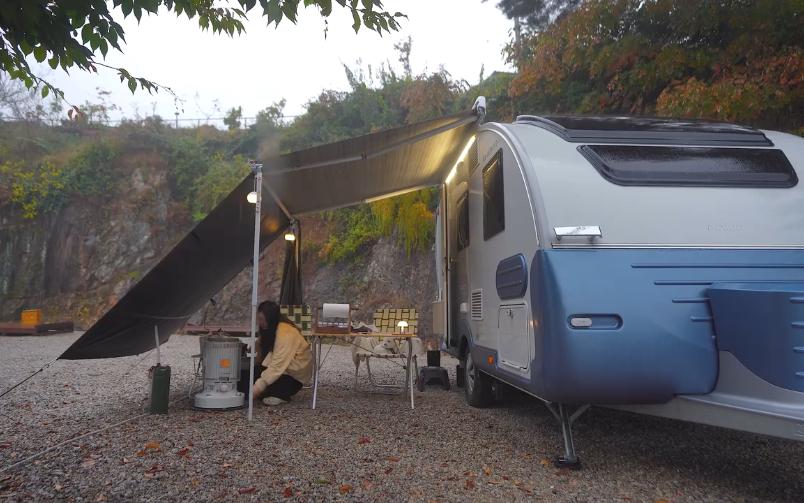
(356, 446)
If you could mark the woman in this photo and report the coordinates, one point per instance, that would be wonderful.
(288, 361)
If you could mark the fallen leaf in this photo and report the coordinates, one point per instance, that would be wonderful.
(184, 452)
(393, 459)
(388, 470)
(545, 462)
(487, 470)
(247, 490)
(288, 492)
(366, 485)
(5, 445)
(470, 484)
(153, 446)
(344, 488)
(101, 497)
(364, 440)
(322, 481)
(88, 463)
(140, 453)
(154, 469)
(226, 465)
(58, 487)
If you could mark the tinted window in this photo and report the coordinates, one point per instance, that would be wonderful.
(691, 166)
(463, 222)
(493, 197)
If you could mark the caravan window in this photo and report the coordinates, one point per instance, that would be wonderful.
(463, 222)
(691, 166)
(493, 197)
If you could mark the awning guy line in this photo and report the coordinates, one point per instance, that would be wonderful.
(278, 201)
(365, 156)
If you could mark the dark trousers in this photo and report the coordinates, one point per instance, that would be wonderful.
(284, 387)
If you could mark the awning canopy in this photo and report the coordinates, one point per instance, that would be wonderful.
(339, 174)
(368, 167)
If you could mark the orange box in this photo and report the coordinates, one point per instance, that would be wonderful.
(31, 317)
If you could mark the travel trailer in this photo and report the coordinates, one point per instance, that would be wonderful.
(650, 265)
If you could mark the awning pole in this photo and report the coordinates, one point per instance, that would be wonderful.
(156, 342)
(255, 274)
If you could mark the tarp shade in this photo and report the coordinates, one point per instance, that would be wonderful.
(202, 263)
(329, 176)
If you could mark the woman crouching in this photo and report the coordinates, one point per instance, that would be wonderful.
(287, 362)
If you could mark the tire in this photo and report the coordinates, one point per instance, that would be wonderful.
(477, 385)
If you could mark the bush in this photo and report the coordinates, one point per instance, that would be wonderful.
(91, 171)
(220, 179)
(34, 190)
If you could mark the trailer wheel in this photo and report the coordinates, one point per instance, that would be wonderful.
(477, 385)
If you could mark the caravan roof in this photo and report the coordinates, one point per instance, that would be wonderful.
(661, 182)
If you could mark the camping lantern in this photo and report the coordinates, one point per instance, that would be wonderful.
(221, 358)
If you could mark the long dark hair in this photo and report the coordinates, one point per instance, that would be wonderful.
(270, 310)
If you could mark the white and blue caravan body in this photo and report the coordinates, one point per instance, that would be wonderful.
(646, 264)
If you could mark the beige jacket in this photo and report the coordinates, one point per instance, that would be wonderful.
(291, 356)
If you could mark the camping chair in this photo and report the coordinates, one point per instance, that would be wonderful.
(301, 316)
(368, 347)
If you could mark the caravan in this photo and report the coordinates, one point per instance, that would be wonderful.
(650, 265)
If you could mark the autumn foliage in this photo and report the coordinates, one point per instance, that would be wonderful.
(731, 60)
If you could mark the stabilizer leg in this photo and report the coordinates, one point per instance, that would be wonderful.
(570, 458)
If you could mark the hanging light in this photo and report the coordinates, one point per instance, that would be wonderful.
(290, 233)
(252, 197)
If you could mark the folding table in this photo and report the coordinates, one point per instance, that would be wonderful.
(318, 336)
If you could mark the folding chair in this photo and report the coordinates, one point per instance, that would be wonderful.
(371, 346)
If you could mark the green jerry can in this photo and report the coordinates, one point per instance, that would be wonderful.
(160, 389)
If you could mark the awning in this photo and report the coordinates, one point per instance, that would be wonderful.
(339, 174)
(369, 167)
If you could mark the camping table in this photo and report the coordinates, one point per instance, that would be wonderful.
(317, 336)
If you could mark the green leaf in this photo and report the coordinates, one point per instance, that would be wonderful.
(273, 11)
(53, 62)
(356, 18)
(45, 91)
(289, 9)
(132, 84)
(26, 47)
(40, 53)
(86, 32)
(326, 7)
(126, 6)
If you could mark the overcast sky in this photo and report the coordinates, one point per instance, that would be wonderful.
(294, 62)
